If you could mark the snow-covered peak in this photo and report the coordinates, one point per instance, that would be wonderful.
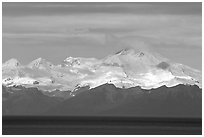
(127, 68)
(40, 62)
(126, 51)
(11, 63)
(70, 61)
(133, 52)
(132, 59)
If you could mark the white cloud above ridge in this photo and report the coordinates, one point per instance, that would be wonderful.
(162, 29)
(171, 28)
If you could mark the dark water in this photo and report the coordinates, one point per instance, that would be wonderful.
(100, 125)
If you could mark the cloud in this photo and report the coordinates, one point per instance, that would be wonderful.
(50, 9)
(162, 29)
(104, 27)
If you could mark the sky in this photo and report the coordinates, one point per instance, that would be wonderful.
(55, 31)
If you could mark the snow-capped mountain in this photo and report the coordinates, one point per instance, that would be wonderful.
(40, 64)
(12, 63)
(126, 68)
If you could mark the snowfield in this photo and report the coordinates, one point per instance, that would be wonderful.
(124, 69)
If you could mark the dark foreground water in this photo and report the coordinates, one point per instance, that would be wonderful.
(100, 125)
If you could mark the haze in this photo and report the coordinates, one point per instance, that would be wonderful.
(55, 31)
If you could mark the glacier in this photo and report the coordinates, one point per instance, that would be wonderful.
(125, 69)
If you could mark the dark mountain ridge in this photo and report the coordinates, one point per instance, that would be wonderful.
(106, 100)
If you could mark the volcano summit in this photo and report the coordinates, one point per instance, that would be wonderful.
(126, 83)
(124, 69)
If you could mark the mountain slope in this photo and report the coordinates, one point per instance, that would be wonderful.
(40, 64)
(127, 68)
(26, 101)
(107, 100)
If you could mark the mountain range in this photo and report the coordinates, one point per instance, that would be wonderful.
(125, 83)
(124, 69)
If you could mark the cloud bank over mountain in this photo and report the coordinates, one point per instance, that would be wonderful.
(55, 30)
